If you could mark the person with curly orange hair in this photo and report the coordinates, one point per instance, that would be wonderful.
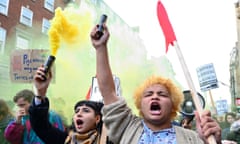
(158, 100)
(176, 94)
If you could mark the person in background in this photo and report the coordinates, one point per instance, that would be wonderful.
(5, 117)
(158, 101)
(230, 117)
(228, 142)
(234, 134)
(220, 120)
(20, 131)
(187, 122)
(87, 120)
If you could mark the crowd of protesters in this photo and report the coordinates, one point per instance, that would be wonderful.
(157, 99)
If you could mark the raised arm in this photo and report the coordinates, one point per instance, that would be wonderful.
(39, 112)
(104, 73)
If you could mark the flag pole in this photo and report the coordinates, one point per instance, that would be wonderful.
(188, 77)
(171, 39)
(198, 106)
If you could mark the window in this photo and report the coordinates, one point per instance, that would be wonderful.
(49, 4)
(22, 42)
(2, 39)
(45, 25)
(4, 6)
(26, 16)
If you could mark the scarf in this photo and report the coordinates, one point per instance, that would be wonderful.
(91, 137)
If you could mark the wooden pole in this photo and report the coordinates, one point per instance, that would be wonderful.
(211, 139)
(212, 102)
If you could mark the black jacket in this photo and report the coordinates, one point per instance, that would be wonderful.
(43, 128)
(41, 125)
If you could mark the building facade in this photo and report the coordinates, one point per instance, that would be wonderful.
(234, 67)
(23, 25)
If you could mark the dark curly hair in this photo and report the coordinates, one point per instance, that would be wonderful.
(96, 106)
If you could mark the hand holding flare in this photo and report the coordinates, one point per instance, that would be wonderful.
(66, 26)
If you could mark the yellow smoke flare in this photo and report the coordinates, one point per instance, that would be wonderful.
(70, 26)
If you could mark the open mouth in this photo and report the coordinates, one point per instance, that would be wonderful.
(155, 108)
(79, 122)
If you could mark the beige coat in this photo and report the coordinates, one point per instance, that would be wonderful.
(126, 128)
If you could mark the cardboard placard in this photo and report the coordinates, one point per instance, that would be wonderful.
(24, 64)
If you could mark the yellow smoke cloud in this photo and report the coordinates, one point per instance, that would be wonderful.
(71, 26)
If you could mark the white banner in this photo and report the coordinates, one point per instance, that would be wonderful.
(207, 77)
(95, 94)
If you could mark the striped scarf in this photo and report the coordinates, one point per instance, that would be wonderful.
(91, 137)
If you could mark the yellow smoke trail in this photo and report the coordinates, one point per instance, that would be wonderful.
(70, 26)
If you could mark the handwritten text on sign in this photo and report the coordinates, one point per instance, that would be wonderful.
(24, 63)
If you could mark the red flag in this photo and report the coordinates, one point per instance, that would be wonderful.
(165, 25)
(88, 94)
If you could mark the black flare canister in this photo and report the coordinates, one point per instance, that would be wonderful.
(103, 19)
(47, 65)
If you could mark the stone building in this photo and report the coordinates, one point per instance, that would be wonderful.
(23, 25)
(234, 66)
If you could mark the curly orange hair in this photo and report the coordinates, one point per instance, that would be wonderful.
(174, 91)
